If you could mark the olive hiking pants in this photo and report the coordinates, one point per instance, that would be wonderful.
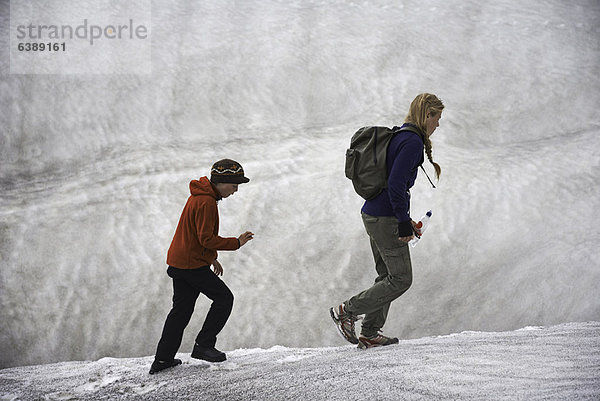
(394, 273)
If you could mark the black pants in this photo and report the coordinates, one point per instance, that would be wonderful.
(187, 285)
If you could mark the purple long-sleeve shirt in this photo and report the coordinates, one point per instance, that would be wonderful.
(404, 156)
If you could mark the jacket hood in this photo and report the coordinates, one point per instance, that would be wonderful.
(203, 186)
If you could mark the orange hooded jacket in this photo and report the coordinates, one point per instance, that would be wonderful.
(196, 239)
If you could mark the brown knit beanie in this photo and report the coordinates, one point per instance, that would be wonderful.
(227, 171)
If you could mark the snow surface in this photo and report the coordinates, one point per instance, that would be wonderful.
(534, 363)
(95, 169)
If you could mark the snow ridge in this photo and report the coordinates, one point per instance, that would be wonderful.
(534, 363)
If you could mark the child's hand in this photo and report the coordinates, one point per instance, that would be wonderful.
(245, 237)
(217, 268)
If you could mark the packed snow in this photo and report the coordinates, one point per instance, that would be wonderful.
(95, 169)
(534, 363)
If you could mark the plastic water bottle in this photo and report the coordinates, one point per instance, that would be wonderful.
(421, 225)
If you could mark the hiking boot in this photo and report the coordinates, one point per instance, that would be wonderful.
(345, 323)
(157, 366)
(377, 340)
(208, 354)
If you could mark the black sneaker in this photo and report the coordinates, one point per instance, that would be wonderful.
(208, 354)
(157, 366)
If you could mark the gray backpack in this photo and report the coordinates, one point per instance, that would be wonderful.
(366, 159)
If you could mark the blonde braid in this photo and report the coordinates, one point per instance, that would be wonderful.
(424, 104)
(438, 169)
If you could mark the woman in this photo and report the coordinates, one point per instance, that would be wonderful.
(387, 221)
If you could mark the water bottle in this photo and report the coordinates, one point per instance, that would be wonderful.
(421, 225)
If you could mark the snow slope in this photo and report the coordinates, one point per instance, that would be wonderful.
(534, 363)
(95, 169)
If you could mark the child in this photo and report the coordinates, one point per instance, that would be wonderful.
(191, 254)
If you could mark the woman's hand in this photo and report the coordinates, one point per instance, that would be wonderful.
(406, 239)
(415, 229)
